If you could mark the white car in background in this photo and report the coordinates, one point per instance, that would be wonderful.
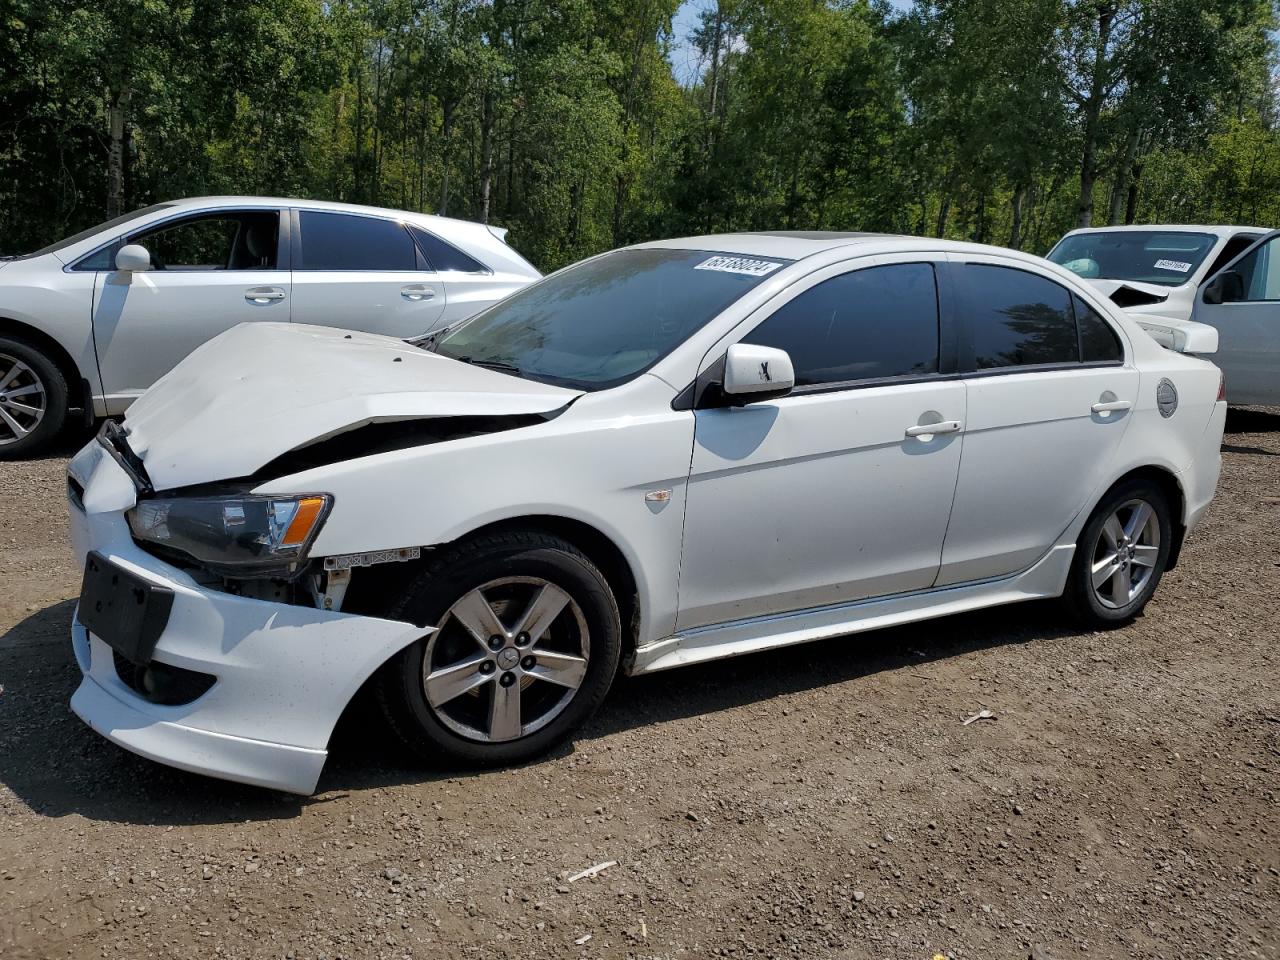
(663, 455)
(1225, 277)
(90, 322)
(1152, 269)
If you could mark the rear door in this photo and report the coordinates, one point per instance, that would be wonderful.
(362, 272)
(1248, 323)
(1049, 393)
(210, 271)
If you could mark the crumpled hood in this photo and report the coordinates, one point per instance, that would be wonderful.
(1108, 287)
(263, 389)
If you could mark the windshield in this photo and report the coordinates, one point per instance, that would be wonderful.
(86, 234)
(1147, 256)
(600, 323)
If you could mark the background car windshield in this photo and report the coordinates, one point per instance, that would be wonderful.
(1148, 256)
(600, 323)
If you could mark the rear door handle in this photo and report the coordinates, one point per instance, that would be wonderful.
(417, 291)
(929, 429)
(1110, 406)
(263, 294)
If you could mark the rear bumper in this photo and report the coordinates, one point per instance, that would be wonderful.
(1200, 480)
(284, 673)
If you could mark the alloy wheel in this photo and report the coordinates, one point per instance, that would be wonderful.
(23, 400)
(1125, 554)
(506, 659)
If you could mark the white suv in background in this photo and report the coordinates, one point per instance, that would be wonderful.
(90, 322)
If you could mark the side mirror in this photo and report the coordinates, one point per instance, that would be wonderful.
(753, 373)
(1226, 287)
(131, 257)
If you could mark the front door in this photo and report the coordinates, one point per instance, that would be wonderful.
(841, 490)
(1049, 395)
(365, 273)
(1248, 324)
(208, 273)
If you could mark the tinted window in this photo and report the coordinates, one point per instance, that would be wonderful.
(605, 320)
(1098, 342)
(1233, 248)
(872, 323)
(1018, 318)
(444, 256)
(336, 241)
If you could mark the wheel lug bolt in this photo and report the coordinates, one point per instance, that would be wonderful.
(487, 667)
(507, 679)
(522, 639)
(495, 642)
(528, 663)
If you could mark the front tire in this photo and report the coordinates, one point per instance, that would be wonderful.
(33, 399)
(1120, 556)
(526, 645)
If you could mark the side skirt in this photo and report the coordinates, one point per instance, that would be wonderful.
(1045, 579)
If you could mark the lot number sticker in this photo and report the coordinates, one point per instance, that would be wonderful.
(1173, 265)
(752, 268)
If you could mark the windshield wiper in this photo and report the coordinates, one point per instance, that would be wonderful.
(499, 365)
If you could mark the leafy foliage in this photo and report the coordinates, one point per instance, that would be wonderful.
(1003, 121)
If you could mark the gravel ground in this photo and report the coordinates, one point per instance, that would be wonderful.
(824, 801)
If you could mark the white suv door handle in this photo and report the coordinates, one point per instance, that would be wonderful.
(929, 429)
(263, 294)
(417, 291)
(1110, 406)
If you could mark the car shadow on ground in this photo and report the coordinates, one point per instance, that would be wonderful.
(1252, 420)
(57, 766)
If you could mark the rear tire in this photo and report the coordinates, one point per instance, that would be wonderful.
(1120, 556)
(527, 643)
(33, 399)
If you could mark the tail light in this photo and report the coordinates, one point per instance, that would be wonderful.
(1222, 386)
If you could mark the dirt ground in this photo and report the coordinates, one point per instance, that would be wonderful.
(824, 801)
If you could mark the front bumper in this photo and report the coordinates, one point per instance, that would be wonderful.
(284, 673)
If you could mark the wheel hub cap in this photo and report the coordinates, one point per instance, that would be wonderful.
(22, 400)
(506, 659)
(1125, 554)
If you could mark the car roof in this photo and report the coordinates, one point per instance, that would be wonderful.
(798, 244)
(1216, 229)
(186, 203)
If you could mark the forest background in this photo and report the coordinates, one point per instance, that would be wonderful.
(587, 124)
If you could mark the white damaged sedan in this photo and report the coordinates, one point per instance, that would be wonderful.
(665, 454)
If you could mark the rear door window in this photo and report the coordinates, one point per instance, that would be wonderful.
(1017, 318)
(339, 241)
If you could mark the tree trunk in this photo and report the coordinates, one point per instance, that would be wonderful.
(1119, 189)
(446, 135)
(486, 154)
(1015, 230)
(1092, 117)
(944, 210)
(117, 107)
(1131, 203)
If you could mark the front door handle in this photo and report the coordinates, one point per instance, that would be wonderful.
(930, 429)
(263, 294)
(417, 291)
(1110, 406)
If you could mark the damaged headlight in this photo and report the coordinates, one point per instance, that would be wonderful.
(235, 535)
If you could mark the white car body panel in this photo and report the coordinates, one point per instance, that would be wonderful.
(860, 526)
(250, 644)
(260, 391)
(1179, 301)
(146, 321)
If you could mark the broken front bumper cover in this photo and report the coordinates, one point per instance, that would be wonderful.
(285, 673)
